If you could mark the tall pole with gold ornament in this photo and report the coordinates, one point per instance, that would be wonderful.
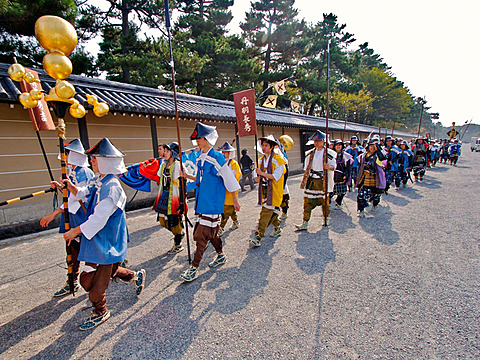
(59, 38)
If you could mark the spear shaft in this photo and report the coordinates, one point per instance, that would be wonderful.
(182, 187)
(23, 197)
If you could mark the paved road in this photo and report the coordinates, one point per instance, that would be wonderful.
(402, 283)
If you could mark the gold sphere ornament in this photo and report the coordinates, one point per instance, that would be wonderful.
(36, 94)
(27, 101)
(30, 78)
(77, 111)
(16, 72)
(56, 34)
(64, 89)
(92, 99)
(101, 109)
(286, 141)
(57, 65)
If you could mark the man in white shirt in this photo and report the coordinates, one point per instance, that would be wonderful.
(314, 180)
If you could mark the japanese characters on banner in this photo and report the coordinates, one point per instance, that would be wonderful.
(245, 112)
(40, 115)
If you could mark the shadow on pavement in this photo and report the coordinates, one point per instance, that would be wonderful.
(438, 169)
(341, 220)
(316, 251)
(379, 225)
(430, 183)
(139, 236)
(28, 323)
(410, 192)
(172, 325)
(168, 330)
(396, 200)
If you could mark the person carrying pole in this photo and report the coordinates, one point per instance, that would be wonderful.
(167, 202)
(104, 233)
(213, 178)
(313, 181)
(80, 175)
(269, 174)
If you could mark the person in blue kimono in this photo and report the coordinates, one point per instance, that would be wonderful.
(405, 163)
(80, 175)
(104, 233)
(454, 151)
(213, 178)
(393, 152)
(354, 150)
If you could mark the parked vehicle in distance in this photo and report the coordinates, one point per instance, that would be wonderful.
(475, 144)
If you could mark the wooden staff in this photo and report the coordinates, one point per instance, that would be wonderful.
(60, 110)
(182, 187)
(325, 143)
(422, 102)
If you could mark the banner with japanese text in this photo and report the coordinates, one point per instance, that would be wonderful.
(40, 115)
(245, 112)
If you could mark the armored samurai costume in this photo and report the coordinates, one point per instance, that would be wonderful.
(342, 172)
(167, 202)
(419, 150)
(270, 177)
(314, 179)
(229, 210)
(213, 179)
(80, 175)
(371, 177)
(104, 233)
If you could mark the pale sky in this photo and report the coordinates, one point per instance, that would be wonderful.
(431, 45)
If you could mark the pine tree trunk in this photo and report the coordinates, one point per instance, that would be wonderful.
(312, 108)
(268, 53)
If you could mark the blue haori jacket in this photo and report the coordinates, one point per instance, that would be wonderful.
(455, 149)
(210, 188)
(355, 152)
(80, 176)
(393, 157)
(109, 245)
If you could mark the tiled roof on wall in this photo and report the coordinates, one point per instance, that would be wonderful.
(143, 100)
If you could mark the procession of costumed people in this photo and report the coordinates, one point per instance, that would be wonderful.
(96, 201)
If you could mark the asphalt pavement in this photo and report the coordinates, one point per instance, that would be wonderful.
(402, 283)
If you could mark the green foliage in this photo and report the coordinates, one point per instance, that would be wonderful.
(273, 34)
(312, 69)
(201, 31)
(19, 16)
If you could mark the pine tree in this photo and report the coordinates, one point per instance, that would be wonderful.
(272, 33)
(121, 48)
(201, 30)
(17, 27)
(312, 70)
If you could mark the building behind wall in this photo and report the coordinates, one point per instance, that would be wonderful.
(138, 120)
